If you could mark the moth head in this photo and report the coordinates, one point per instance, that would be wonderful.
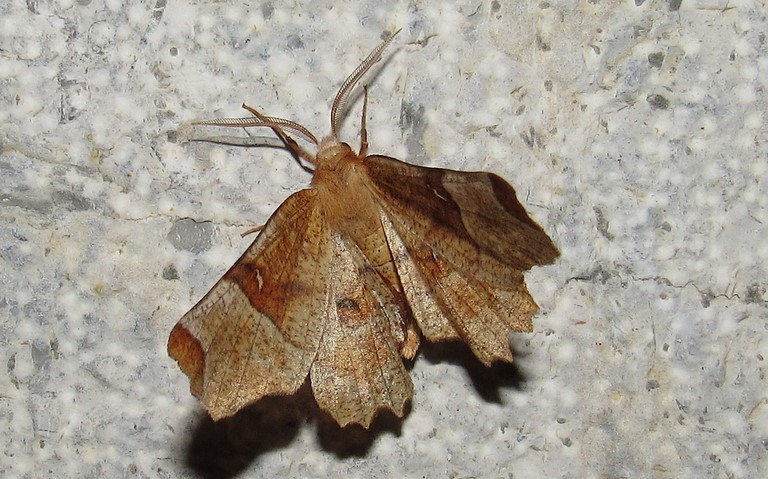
(331, 152)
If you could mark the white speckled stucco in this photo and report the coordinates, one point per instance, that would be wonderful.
(633, 131)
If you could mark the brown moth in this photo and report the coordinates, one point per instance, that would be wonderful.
(348, 275)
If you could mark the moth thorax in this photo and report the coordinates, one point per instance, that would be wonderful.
(332, 152)
(342, 190)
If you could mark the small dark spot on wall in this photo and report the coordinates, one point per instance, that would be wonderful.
(295, 42)
(656, 59)
(755, 293)
(657, 102)
(602, 224)
(543, 45)
(170, 273)
(267, 9)
(411, 115)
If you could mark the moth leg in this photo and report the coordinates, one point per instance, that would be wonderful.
(252, 230)
(363, 130)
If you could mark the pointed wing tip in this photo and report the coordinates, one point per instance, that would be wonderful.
(369, 417)
(505, 357)
(217, 414)
(186, 349)
(552, 252)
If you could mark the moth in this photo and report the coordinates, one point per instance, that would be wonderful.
(349, 275)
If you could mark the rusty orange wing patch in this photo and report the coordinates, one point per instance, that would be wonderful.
(346, 277)
(257, 331)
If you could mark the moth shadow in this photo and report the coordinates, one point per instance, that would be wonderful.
(355, 440)
(488, 381)
(226, 448)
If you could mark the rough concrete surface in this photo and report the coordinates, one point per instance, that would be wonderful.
(633, 131)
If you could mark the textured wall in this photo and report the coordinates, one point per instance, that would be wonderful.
(633, 132)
